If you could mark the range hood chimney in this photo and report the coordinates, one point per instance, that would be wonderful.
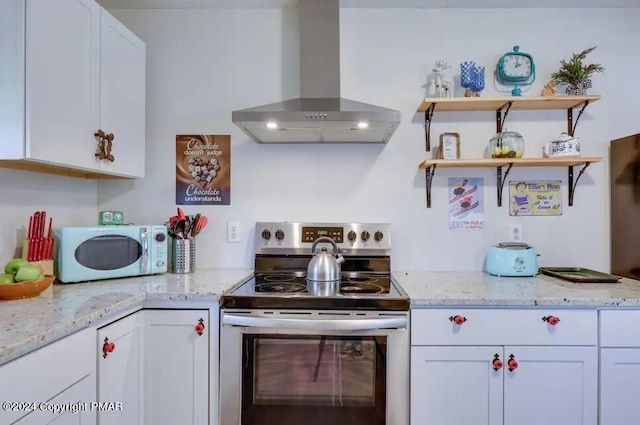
(320, 115)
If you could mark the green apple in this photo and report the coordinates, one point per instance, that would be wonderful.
(28, 272)
(6, 278)
(12, 266)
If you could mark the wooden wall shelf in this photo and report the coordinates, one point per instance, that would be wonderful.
(450, 104)
(430, 167)
(502, 105)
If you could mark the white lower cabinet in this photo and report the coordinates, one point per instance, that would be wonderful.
(619, 367)
(57, 378)
(455, 383)
(619, 378)
(74, 396)
(176, 359)
(552, 385)
(120, 371)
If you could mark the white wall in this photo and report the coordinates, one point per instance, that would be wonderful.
(69, 201)
(202, 64)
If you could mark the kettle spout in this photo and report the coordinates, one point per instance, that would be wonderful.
(339, 259)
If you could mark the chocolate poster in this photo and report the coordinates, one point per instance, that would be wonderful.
(203, 169)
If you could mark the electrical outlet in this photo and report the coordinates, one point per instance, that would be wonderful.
(233, 231)
(515, 232)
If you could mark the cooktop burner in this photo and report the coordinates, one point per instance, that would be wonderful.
(361, 288)
(281, 287)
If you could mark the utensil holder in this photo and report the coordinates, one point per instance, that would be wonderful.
(183, 256)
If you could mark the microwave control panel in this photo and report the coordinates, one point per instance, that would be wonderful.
(158, 252)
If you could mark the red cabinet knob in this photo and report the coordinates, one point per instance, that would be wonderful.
(497, 363)
(552, 320)
(200, 327)
(107, 347)
(457, 319)
(512, 363)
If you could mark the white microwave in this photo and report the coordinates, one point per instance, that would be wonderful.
(106, 252)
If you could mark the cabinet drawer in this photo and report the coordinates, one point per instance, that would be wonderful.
(503, 327)
(620, 328)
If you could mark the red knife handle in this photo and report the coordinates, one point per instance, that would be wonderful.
(50, 249)
(36, 249)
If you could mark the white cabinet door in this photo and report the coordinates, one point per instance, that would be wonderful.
(176, 367)
(75, 397)
(120, 370)
(551, 385)
(456, 385)
(62, 81)
(619, 378)
(122, 96)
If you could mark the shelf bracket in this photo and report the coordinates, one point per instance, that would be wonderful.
(571, 126)
(429, 172)
(500, 117)
(572, 184)
(501, 180)
(428, 116)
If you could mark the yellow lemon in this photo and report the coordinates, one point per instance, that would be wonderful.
(496, 151)
(519, 153)
(505, 150)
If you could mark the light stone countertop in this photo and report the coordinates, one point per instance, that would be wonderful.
(62, 309)
(28, 324)
(432, 289)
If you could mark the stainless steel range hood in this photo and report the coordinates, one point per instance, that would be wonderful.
(320, 115)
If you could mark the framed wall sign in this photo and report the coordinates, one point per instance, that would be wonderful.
(449, 146)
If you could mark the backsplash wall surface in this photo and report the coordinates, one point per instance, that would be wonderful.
(205, 63)
(70, 201)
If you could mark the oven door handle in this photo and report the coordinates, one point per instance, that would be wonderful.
(315, 324)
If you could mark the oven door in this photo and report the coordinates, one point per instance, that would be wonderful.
(314, 368)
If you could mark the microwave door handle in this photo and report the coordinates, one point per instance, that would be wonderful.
(316, 325)
(144, 261)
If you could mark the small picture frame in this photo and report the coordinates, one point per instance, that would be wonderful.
(449, 146)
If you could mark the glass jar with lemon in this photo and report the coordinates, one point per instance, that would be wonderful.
(507, 144)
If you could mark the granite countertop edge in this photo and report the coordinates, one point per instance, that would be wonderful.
(27, 330)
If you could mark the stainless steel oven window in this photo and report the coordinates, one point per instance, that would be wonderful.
(288, 375)
(291, 378)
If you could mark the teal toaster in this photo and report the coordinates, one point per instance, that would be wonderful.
(512, 259)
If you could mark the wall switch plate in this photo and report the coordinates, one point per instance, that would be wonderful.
(233, 231)
(515, 232)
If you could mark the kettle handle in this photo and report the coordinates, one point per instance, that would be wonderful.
(324, 239)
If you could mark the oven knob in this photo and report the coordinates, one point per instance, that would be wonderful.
(352, 236)
(378, 236)
(365, 235)
(160, 263)
(266, 234)
(160, 237)
(279, 235)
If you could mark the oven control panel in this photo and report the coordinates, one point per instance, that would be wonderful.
(297, 238)
(310, 234)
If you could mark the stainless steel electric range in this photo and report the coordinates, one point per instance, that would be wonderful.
(293, 357)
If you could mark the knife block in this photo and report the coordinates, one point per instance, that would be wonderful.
(45, 265)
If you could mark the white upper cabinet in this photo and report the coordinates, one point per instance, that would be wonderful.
(62, 69)
(69, 69)
(122, 96)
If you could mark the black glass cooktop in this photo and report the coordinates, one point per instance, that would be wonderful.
(289, 290)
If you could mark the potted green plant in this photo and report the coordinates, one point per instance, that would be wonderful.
(575, 74)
